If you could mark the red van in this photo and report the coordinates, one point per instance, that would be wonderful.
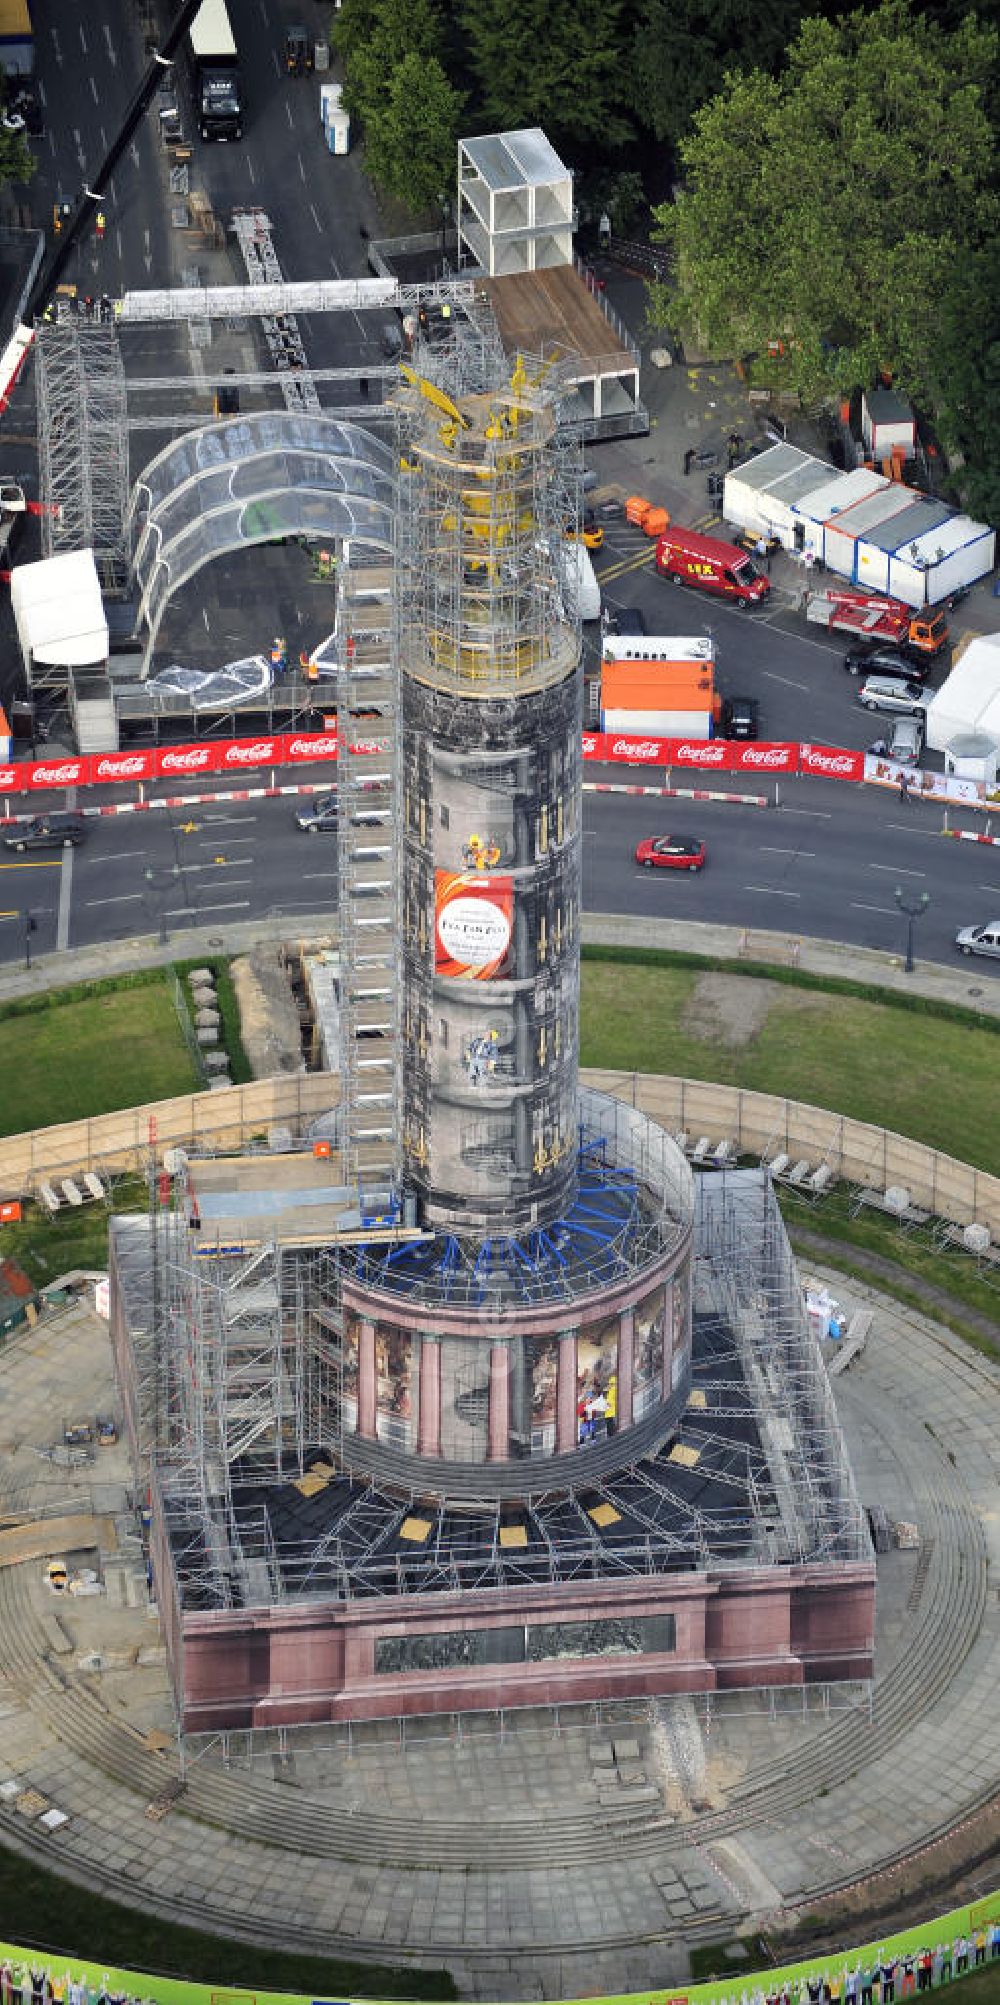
(690, 559)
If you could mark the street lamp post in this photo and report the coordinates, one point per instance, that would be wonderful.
(30, 926)
(914, 906)
(445, 207)
(160, 882)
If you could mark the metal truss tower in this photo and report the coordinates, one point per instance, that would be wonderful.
(83, 442)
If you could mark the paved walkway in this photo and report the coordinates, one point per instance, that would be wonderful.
(498, 1858)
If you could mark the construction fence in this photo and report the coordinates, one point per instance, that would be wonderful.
(758, 1125)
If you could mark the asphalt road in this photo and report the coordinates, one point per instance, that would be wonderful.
(824, 861)
(807, 866)
(795, 670)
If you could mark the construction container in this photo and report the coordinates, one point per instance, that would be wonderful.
(636, 510)
(655, 521)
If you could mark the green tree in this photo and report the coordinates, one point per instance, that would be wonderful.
(827, 208)
(17, 162)
(373, 36)
(965, 378)
(680, 49)
(553, 63)
(411, 137)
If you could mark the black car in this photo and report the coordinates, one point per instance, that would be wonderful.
(740, 717)
(58, 831)
(887, 661)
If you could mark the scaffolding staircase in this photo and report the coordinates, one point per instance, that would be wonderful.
(369, 837)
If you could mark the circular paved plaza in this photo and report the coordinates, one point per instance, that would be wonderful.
(537, 1863)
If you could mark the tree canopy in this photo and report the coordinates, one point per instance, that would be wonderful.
(413, 134)
(965, 378)
(553, 63)
(680, 48)
(827, 208)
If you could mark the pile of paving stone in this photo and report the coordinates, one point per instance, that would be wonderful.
(207, 1019)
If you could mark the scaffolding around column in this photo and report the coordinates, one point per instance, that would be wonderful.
(83, 443)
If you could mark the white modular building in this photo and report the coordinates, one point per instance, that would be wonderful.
(879, 534)
(760, 495)
(944, 558)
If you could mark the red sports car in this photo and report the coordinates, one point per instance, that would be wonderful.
(671, 852)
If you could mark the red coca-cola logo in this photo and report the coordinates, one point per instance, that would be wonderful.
(251, 755)
(193, 759)
(828, 762)
(636, 748)
(589, 747)
(11, 776)
(68, 774)
(311, 748)
(704, 754)
(765, 755)
(129, 766)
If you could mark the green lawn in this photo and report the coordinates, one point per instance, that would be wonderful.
(90, 1055)
(922, 1075)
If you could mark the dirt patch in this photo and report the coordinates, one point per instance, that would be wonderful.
(269, 1019)
(733, 1009)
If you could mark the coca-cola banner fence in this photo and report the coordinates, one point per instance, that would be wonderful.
(831, 762)
(719, 755)
(241, 755)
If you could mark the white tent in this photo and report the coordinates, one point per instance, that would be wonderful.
(59, 612)
(968, 702)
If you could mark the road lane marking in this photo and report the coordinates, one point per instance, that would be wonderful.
(771, 891)
(288, 108)
(83, 38)
(771, 849)
(112, 57)
(51, 864)
(613, 571)
(308, 876)
(186, 911)
(315, 218)
(888, 910)
(814, 814)
(302, 170)
(248, 163)
(786, 679)
(896, 870)
(218, 821)
(65, 901)
(120, 855)
(120, 898)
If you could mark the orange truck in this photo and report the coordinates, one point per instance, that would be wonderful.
(661, 684)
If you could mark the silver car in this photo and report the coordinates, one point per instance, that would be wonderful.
(892, 693)
(980, 939)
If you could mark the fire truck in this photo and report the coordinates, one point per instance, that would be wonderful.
(843, 609)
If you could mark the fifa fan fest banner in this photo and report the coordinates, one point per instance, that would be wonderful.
(935, 1955)
(473, 923)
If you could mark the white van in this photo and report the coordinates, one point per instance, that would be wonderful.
(980, 939)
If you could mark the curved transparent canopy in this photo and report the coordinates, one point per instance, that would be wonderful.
(249, 480)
